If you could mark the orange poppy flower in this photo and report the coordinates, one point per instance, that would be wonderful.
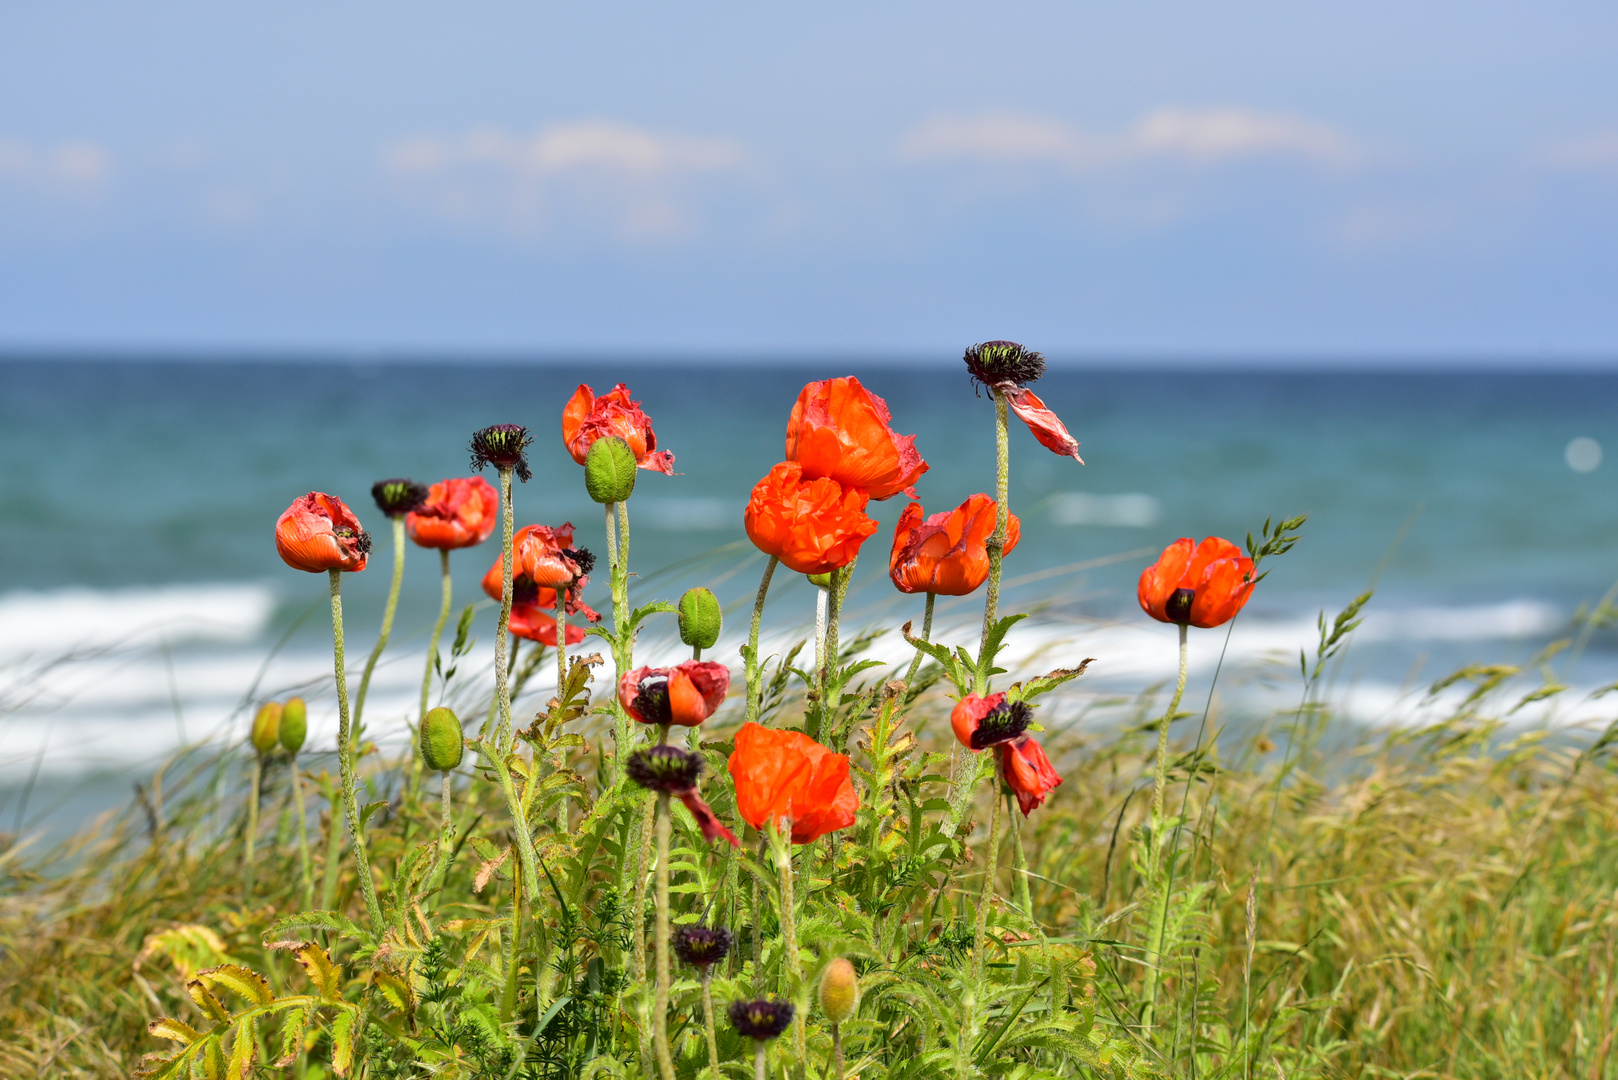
(947, 553)
(839, 431)
(524, 590)
(1045, 425)
(813, 526)
(786, 775)
(317, 532)
(1204, 586)
(1027, 772)
(981, 723)
(529, 621)
(686, 694)
(587, 418)
(459, 512)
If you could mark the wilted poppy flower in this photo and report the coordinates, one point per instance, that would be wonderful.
(317, 532)
(786, 775)
(686, 694)
(675, 772)
(547, 556)
(505, 446)
(947, 553)
(530, 621)
(839, 431)
(1202, 586)
(813, 526)
(458, 512)
(1045, 425)
(587, 418)
(524, 590)
(1027, 772)
(980, 723)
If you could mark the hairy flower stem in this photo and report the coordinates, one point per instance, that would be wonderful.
(519, 818)
(1019, 857)
(252, 822)
(707, 1018)
(623, 647)
(755, 669)
(508, 994)
(991, 867)
(1154, 862)
(345, 756)
(304, 864)
(660, 1015)
(837, 1051)
(822, 601)
(446, 828)
(643, 855)
(759, 1071)
(387, 622)
(793, 973)
(502, 680)
(926, 635)
(997, 540)
(438, 631)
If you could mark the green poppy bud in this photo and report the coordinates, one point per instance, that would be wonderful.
(609, 470)
(441, 741)
(820, 581)
(267, 727)
(294, 724)
(700, 618)
(839, 991)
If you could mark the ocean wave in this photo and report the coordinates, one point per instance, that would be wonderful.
(34, 623)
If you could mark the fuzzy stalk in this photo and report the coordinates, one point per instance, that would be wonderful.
(991, 867)
(345, 756)
(822, 602)
(519, 817)
(1019, 859)
(759, 1070)
(1160, 783)
(304, 865)
(508, 993)
(438, 631)
(837, 1051)
(617, 580)
(561, 641)
(252, 822)
(387, 621)
(660, 1015)
(707, 1018)
(926, 635)
(793, 975)
(446, 828)
(755, 669)
(643, 855)
(997, 540)
(502, 679)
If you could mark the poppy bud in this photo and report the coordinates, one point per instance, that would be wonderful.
(839, 991)
(700, 617)
(504, 446)
(294, 724)
(996, 362)
(396, 498)
(820, 581)
(609, 470)
(441, 741)
(762, 1018)
(266, 727)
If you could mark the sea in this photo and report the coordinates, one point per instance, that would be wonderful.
(143, 608)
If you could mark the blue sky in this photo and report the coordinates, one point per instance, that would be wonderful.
(1247, 179)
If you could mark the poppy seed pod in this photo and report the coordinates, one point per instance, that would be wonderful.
(441, 741)
(994, 362)
(701, 946)
(294, 724)
(762, 1018)
(609, 470)
(839, 991)
(820, 581)
(398, 497)
(700, 617)
(505, 447)
(267, 727)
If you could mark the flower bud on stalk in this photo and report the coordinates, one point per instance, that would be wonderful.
(839, 1000)
(265, 737)
(294, 728)
(294, 725)
(609, 470)
(761, 1020)
(442, 742)
(700, 618)
(266, 728)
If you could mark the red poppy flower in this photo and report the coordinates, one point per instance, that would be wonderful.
(1027, 772)
(1203, 586)
(524, 590)
(786, 775)
(813, 526)
(686, 694)
(529, 621)
(839, 431)
(947, 553)
(459, 512)
(317, 532)
(1045, 425)
(587, 418)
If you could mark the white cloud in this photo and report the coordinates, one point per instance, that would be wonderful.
(1597, 151)
(72, 166)
(633, 181)
(1169, 133)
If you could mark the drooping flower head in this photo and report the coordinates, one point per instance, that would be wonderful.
(980, 723)
(504, 446)
(813, 526)
(686, 694)
(587, 418)
(530, 620)
(994, 363)
(761, 1019)
(1203, 585)
(1027, 772)
(787, 776)
(839, 431)
(947, 553)
(675, 772)
(318, 532)
(459, 512)
(1046, 426)
(397, 497)
(701, 946)
(526, 591)
(546, 557)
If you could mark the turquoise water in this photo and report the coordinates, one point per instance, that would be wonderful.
(139, 501)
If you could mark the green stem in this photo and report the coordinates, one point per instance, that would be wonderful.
(446, 830)
(387, 621)
(519, 819)
(837, 1051)
(502, 684)
(759, 1071)
(992, 865)
(755, 688)
(822, 602)
(997, 540)
(561, 641)
(303, 838)
(793, 974)
(252, 821)
(660, 1015)
(334, 852)
(643, 855)
(438, 631)
(1154, 871)
(926, 635)
(345, 756)
(508, 996)
(707, 1018)
(1019, 859)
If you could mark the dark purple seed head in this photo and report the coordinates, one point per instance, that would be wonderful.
(1002, 723)
(762, 1018)
(701, 946)
(664, 768)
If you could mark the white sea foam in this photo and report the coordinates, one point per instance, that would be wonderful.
(35, 623)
